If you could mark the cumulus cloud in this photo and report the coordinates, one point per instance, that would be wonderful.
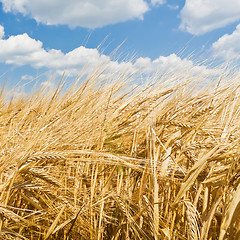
(158, 2)
(201, 16)
(2, 33)
(227, 47)
(173, 7)
(23, 50)
(46, 84)
(84, 13)
(26, 77)
(171, 63)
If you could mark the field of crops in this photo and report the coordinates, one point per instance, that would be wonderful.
(110, 159)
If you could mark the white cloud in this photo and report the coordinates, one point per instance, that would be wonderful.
(201, 16)
(46, 84)
(173, 7)
(26, 77)
(19, 47)
(84, 13)
(171, 63)
(158, 2)
(227, 47)
(23, 50)
(2, 33)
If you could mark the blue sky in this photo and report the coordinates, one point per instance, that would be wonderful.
(41, 39)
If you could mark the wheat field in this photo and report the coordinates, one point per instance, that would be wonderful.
(110, 159)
